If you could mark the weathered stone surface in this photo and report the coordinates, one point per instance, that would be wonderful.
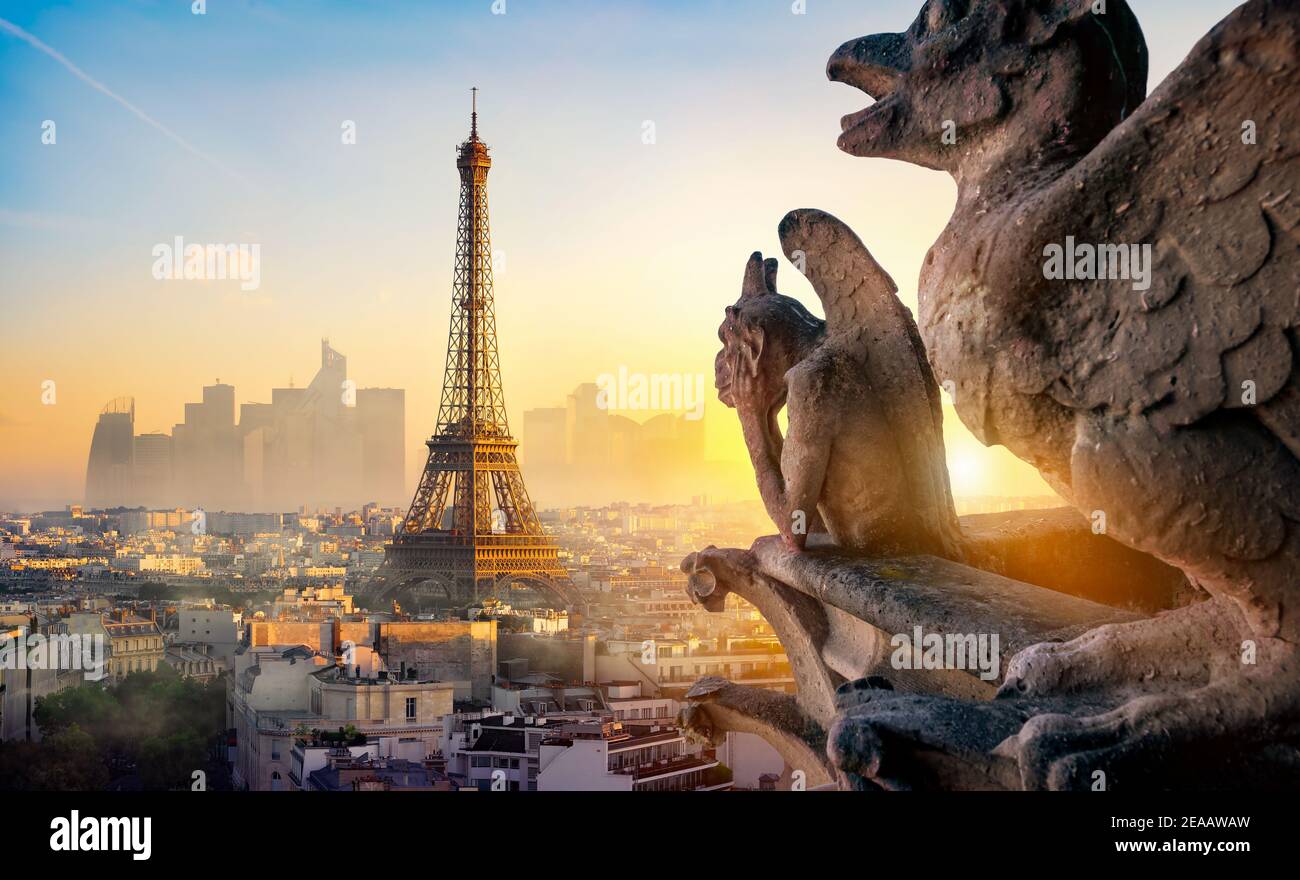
(941, 596)
(1162, 394)
(799, 621)
(836, 616)
(717, 706)
(863, 457)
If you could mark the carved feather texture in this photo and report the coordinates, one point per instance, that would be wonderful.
(1222, 215)
(1173, 407)
(865, 315)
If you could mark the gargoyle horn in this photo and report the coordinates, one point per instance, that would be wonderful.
(760, 277)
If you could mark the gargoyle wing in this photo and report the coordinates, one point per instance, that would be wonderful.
(1207, 171)
(864, 314)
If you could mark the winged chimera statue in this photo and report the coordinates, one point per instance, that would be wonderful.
(1173, 410)
(863, 455)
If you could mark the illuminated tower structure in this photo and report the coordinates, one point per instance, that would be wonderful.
(471, 527)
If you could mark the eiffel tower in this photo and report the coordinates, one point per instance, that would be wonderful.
(471, 528)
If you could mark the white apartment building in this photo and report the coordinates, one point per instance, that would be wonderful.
(221, 628)
(624, 700)
(609, 756)
(312, 602)
(280, 694)
(675, 664)
(497, 749)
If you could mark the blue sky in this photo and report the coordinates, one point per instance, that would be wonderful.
(618, 253)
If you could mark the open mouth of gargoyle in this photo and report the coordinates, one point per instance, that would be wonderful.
(853, 120)
(859, 131)
(875, 65)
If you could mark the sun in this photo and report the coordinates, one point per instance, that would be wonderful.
(966, 473)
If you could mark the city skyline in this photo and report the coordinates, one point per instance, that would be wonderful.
(583, 453)
(328, 443)
(663, 466)
(352, 235)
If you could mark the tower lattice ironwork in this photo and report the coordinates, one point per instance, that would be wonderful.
(471, 526)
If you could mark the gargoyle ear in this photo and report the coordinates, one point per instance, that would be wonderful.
(1123, 41)
(769, 274)
(753, 283)
(1045, 20)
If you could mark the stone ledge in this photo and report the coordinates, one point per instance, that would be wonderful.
(941, 596)
(1056, 548)
(836, 616)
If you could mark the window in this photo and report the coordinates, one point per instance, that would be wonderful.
(410, 708)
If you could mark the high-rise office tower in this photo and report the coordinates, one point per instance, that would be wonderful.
(587, 428)
(544, 433)
(381, 419)
(152, 474)
(206, 452)
(112, 454)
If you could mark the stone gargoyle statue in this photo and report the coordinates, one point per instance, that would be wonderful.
(860, 469)
(1116, 300)
(863, 453)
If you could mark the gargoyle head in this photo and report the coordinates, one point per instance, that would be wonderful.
(971, 79)
(765, 334)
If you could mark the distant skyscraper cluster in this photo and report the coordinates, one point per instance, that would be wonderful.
(328, 444)
(583, 454)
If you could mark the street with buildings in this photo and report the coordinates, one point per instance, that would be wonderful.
(325, 694)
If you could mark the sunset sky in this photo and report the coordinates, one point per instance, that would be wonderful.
(225, 127)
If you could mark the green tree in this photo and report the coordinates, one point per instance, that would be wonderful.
(157, 720)
(66, 761)
(168, 762)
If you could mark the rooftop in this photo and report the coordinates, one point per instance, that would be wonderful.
(349, 774)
